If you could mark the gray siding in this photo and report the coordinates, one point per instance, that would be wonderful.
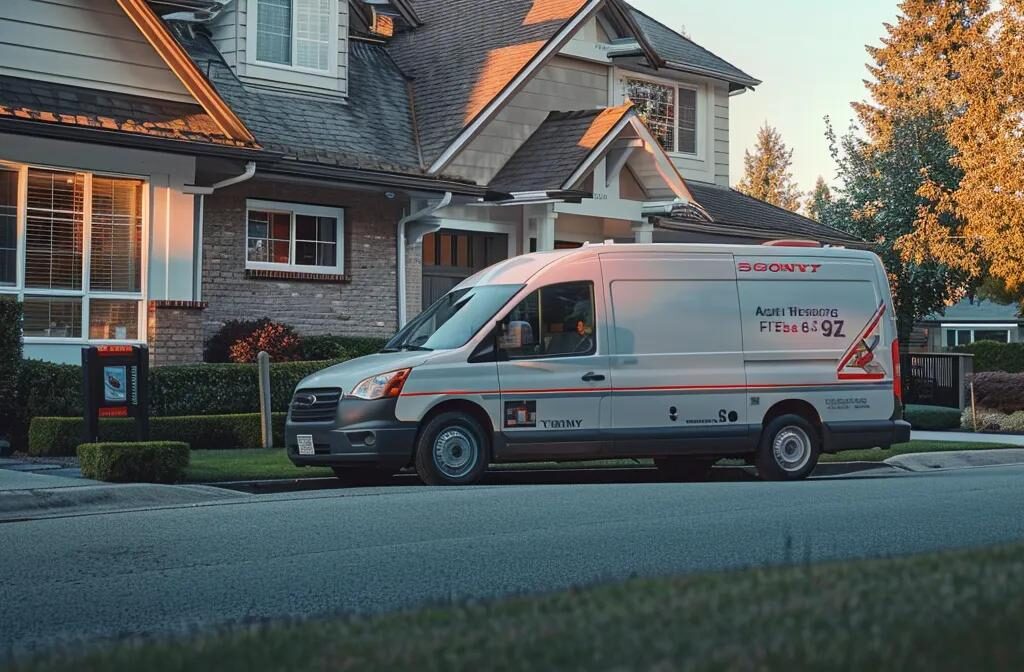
(231, 33)
(90, 43)
(721, 135)
(563, 85)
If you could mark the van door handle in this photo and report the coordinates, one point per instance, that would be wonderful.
(593, 377)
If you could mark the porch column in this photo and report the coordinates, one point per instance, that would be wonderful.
(643, 232)
(542, 218)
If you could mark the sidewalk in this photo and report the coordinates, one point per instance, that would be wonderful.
(28, 493)
(957, 459)
(968, 437)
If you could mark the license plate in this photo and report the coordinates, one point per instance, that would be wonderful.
(306, 444)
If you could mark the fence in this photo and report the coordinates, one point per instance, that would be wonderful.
(936, 379)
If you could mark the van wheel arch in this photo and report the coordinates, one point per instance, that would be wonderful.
(461, 406)
(799, 407)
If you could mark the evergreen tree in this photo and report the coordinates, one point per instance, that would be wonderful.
(766, 173)
(818, 200)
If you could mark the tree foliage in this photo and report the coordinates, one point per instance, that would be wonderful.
(767, 173)
(819, 199)
(878, 200)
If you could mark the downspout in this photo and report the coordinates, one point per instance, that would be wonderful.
(203, 192)
(400, 274)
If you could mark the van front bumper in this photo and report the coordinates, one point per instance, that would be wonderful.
(364, 433)
(860, 434)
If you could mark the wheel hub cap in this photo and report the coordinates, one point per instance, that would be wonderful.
(455, 452)
(792, 448)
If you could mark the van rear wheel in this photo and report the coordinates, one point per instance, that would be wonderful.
(789, 449)
(684, 468)
(452, 449)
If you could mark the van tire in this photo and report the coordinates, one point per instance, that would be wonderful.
(452, 449)
(789, 449)
(684, 469)
(361, 476)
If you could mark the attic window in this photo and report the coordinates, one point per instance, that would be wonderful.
(669, 110)
(296, 33)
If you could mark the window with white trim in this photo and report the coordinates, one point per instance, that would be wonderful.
(294, 237)
(77, 261)
(957, 336)
(296, 33)
(669, 110)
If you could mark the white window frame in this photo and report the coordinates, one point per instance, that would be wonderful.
(955, 328)
(20, 291)
(293, 209)
(702, 117)
(252, 36)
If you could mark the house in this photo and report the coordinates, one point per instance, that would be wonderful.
(167, 165)
(969, 321)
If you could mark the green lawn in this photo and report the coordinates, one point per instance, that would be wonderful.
(209, 466)
(931, 613)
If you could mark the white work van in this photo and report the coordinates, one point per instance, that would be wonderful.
(681, 353)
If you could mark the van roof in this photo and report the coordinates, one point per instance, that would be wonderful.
(519, 270)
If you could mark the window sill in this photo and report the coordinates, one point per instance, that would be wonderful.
(296, 276)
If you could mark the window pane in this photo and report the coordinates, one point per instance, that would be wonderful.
(269, 236)
(312, 33)
(113, 320)
(274, 31)
(950, 338)
(554, 321)
(997, 335)
(327, 229)
(305, 227)
(53, 238)
(116, 236)
(53, 317)
(655, 104)
(8, 227)
(688, 121)
(964, 337)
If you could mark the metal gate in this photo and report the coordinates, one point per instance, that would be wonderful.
(932, 379)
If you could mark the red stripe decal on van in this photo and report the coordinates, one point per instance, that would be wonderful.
(664, 388)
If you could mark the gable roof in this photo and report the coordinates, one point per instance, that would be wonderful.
(977, 310)
(371, 129)
(549, 158)
(77, 108)
(734, 213)
(467, 53)
(681, 53)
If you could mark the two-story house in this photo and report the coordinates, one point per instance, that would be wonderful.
(336, 164)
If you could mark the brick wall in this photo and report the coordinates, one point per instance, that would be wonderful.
(363, 304)
(175, 333)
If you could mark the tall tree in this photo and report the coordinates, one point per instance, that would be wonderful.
(766, 174)
(917, 63)
(979, 224)
(878, 200)
(819, 199)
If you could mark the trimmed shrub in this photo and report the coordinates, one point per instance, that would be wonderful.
(316, 348)
(137, 462)
(999, 391)
(54, 437)
(992, 356)
(10, 363)
(278, 340)
(994, 421)
(217, 349)
(931, 417)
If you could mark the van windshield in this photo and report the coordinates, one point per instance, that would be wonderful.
(453, 319)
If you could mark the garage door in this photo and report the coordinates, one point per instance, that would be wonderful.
(451, 256)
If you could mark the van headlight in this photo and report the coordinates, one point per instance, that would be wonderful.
(382, 386)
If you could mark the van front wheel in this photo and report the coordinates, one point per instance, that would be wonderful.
(452, 449)
(789, 449)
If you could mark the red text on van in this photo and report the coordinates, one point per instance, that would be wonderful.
(760, 267)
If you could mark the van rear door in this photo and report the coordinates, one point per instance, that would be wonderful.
(677, 370)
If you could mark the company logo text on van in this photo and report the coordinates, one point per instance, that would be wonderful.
(747, 267)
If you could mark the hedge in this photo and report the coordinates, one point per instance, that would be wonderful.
(931, 417)
(339, 347)
(137, 462)
(999, 391)
(992, 356)
(59, 436)
(10, 362)
(994, 421)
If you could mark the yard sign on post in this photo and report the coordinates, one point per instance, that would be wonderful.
(115, 384)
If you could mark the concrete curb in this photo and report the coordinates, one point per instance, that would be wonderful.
(957, 459)
(38, 503)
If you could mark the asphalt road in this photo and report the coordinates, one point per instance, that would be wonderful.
(70, 580)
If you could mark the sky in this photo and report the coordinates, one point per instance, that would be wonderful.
(809, 54)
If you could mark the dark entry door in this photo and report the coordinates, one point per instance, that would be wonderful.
(450, 256)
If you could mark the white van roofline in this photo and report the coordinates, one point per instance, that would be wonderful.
(519, 270)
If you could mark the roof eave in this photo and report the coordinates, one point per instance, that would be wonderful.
(746, 81)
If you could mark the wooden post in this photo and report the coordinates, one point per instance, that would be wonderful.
(974, 409)
(266, 429)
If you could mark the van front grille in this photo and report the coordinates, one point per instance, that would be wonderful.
(315, 405)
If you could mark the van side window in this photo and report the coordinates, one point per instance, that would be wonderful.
(555, 321)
